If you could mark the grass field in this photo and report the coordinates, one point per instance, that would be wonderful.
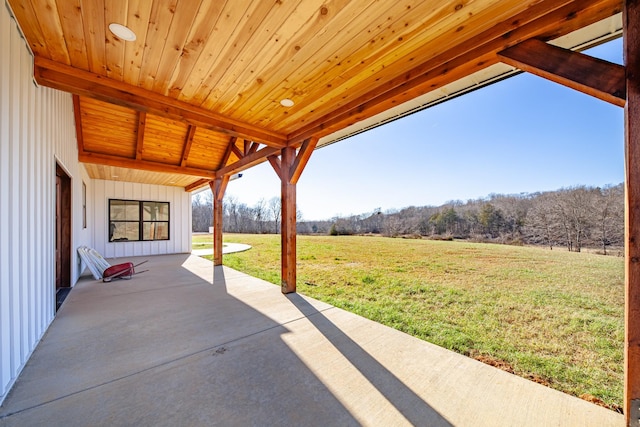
(554, 317)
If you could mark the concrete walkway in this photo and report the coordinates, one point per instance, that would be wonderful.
(227, 248)
(187, 344)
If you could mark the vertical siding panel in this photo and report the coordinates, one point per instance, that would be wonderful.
(48, 215)
(22, 223)
(43, 190)
(188, 226)
(5, 329)
(14, 137)
(176, 217)
(99, 219)
(26, 214)
(37, 212)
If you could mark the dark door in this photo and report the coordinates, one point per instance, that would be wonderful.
(63, 229)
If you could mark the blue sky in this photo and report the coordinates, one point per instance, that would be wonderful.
(524, 134)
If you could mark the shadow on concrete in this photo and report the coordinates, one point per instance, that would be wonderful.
(409, 404)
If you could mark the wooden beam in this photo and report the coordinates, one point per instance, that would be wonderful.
(196, 184)
(122, 162)
(77, 114)
(187, 145)
(80, 82)
(247, 161)
(539, 21)
(288, 222)
(254, 147)
(596, 77)
(247, 146)
(275, 163)
(631, 51)
(234, 148)
(142, 117)
(218, 188)
(227, 153)
(302, 158)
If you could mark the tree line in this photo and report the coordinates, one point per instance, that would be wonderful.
(237, 217)
(572, 218)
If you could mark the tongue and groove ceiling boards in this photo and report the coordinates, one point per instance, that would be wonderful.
(198, 93)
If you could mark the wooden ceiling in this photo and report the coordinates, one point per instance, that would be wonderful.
(197, 94)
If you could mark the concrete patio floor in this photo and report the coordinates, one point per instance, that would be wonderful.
(187, 344)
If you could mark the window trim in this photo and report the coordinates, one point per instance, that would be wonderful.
(140, 221)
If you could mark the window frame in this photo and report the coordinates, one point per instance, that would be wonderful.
(140, 221)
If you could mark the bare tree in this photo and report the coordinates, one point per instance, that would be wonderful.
(202, 211)
(609, 217)
(541, 222)
(260, 214)
(230, 205)
(275, 208)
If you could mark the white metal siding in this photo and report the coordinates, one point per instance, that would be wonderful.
(179, 220)
(36, 130)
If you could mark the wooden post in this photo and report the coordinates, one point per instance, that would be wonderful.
(288, 221)
(289, 169)
(218, 187)
(631, 50)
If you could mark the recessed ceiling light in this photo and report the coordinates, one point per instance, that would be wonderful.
(114, 176)
(122, 32)
(286, 102)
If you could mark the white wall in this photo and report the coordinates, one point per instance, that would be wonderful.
(179, 219)
(36, 130)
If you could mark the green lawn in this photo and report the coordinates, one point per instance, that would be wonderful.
(551, 316)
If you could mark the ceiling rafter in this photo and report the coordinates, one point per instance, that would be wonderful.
(146, 165)
(254, 147)
(601, 79)
(235, 150)
(196, 185)
(227, 153)
(142, 117)
(80, 82)
(187, 145)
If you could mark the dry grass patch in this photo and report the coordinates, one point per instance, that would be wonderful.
(551, 316)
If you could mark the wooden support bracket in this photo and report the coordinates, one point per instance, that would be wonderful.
(596, 77)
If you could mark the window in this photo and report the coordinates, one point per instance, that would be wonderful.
(133, 220)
